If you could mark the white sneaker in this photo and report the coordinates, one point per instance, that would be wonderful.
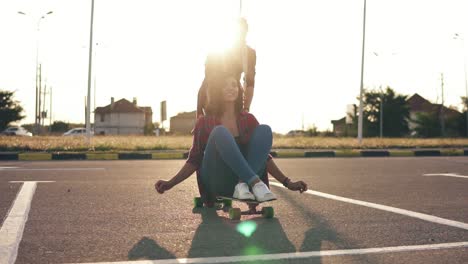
(242, 192)
(262, 193)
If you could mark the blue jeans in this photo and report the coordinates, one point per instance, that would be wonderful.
(224, 165)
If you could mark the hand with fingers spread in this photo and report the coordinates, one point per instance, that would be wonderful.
(297, 186)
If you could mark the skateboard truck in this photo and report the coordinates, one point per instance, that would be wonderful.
(236, 213)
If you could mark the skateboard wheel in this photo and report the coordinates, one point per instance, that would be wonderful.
(268, 212)
(227, 203)
(234, 213)
(197, 202)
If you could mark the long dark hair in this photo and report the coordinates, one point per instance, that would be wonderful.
(215, 85)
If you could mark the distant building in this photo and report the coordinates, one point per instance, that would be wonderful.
(183, 123)
(340, 128)
(122, 118)
(417, 104)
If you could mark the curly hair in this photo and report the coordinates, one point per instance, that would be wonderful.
(215, 85)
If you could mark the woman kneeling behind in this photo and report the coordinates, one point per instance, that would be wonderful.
(230, 150)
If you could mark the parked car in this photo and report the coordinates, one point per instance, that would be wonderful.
(79, 131)
(16, 131)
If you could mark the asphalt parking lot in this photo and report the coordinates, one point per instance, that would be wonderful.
(358, 210)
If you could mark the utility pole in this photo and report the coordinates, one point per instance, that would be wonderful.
(39, 112)
(462, 39)
(442, 118)
(381, 111)
(50, 109)
(44, 112)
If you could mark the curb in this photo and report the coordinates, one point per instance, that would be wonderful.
(347, 153)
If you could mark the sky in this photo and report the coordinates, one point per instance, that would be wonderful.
(308, 53)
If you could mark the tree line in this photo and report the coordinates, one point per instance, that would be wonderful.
(384, 112)
(390, 112)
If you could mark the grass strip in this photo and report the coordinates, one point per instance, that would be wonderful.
(34, 156)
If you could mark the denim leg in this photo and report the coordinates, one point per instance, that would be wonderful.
(259, 147)
(216, 176)
(223, 144)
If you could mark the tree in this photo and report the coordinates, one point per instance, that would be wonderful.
(428, 125)
(462, 118)
(59, 126)
(395, 113)
(10, 110)
(149, 128)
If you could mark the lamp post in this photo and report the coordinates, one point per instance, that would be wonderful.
(362, 76)
(460, 37)
(37, 114)
(88, 102)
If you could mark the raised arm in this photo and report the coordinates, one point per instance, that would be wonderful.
(201, 99)
(249, 76)
(274, 171)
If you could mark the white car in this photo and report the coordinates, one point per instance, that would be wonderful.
(77, 132)
(17, 131)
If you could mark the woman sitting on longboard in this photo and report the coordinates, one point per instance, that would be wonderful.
(230, 150)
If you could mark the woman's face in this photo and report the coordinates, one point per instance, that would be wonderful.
(230, 90)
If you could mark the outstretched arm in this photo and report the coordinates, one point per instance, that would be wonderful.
(274, 171)
(185, 172)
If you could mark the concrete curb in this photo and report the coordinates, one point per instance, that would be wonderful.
(31, 156)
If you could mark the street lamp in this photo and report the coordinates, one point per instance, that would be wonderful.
(361, 93)
(88, 99)
(460, 37)
(37, 114)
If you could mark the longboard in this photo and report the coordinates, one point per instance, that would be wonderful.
(235, 213)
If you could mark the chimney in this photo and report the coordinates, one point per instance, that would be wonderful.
(134, 101)
(112, 102)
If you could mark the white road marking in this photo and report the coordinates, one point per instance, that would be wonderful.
(53, 169)
(426, 217)
(295, 255)
(446, 174)
(1, 168)
(12, 229)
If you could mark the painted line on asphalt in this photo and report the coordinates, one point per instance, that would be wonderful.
(53, 169)
(295, 255)
(426, 217)
(2, 168)
(12, 228)
(446, 174)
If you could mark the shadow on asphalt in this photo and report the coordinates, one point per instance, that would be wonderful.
(217, 235)
(147, 248)
(320, 232)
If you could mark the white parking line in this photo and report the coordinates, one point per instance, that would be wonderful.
(426, 217)
(12, 229)
(446, 174)
(295, 255)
